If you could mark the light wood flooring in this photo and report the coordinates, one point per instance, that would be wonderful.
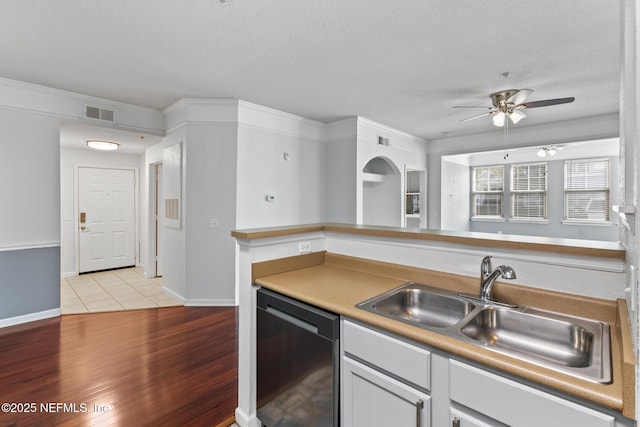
(113, 290)
(173, 366)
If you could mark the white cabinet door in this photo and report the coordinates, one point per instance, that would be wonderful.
(371, 399)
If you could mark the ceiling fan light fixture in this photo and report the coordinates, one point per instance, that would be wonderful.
(546, 151)
(102, 145)
(516, 116)
(498, 119)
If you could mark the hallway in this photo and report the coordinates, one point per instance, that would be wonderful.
(112, 290)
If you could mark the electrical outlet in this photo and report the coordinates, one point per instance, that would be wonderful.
(214, 223)
(304, 247)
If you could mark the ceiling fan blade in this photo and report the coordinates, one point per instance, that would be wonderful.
(477, 117)
(519, 97)
(547, 102)
(471, 106)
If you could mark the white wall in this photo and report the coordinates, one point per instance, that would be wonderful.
(351, 144)
(455, 196)
(210, 193)
(298, 183)
(341, 142)
(404, 152)
(70, 159)
(233, 156)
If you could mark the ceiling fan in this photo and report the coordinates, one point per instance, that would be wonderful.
(511, 103)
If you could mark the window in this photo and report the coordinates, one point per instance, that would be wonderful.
(529, 191)
(586, 190)
(488, 191)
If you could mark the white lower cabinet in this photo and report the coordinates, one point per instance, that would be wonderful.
(389, 382)
(372, 399)
(515, 404)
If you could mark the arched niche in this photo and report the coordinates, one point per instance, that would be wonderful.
(381, 193)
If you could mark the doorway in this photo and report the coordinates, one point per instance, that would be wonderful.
(106, 218)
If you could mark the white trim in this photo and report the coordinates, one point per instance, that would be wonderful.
(212, 302)
(488, 219)
(529, 220)
(27, 246)
(587, 223)
(31, 317)
(23, 96)
(244, 420)
(173, 294)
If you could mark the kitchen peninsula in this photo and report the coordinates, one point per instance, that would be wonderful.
(336, 266)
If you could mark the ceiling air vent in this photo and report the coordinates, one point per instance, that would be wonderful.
(383, 141)
(99, 113)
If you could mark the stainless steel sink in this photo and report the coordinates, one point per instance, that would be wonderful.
(420, 304)
(573, 345)
(561, 341)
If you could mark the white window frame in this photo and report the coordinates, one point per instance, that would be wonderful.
(514, 192)
(604, 189)
(475, 192)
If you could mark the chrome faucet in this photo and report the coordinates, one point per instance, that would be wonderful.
(488, 277)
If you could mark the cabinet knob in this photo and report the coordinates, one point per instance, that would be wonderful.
(455, 422)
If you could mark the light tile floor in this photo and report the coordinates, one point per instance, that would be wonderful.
(123, 289)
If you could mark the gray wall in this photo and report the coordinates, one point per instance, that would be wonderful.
(30, 281)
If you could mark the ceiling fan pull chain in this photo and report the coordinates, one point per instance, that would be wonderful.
(506, 138)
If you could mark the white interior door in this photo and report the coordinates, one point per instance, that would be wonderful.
(106, 218)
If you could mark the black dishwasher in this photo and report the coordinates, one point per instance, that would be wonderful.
(297, 363)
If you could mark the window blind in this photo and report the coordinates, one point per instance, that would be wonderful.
(586, 185)
(488, 191)
(529, 191)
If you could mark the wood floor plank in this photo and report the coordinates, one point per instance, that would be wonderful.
(173, 366)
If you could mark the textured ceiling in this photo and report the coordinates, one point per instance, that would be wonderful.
(401, 63)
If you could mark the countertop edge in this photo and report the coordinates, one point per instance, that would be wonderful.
(592, 248)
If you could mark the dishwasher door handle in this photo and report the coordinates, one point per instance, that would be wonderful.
(322, 322)
(292, 319)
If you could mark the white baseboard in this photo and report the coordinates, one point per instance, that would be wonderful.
(68, 274)
(210, 302)
(31, 317)
(172, 294)
(243, 420)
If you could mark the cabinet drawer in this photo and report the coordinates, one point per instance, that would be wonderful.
(515, 404)
(398, 358)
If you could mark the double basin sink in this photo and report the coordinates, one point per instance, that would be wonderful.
(573, 345)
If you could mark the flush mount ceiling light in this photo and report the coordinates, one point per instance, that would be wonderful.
(546, 151)
(102, 145)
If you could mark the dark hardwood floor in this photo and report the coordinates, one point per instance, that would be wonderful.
(172, 366)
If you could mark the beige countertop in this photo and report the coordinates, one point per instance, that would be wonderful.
(337, 283)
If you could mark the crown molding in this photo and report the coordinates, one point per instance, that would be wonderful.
(67, 105)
